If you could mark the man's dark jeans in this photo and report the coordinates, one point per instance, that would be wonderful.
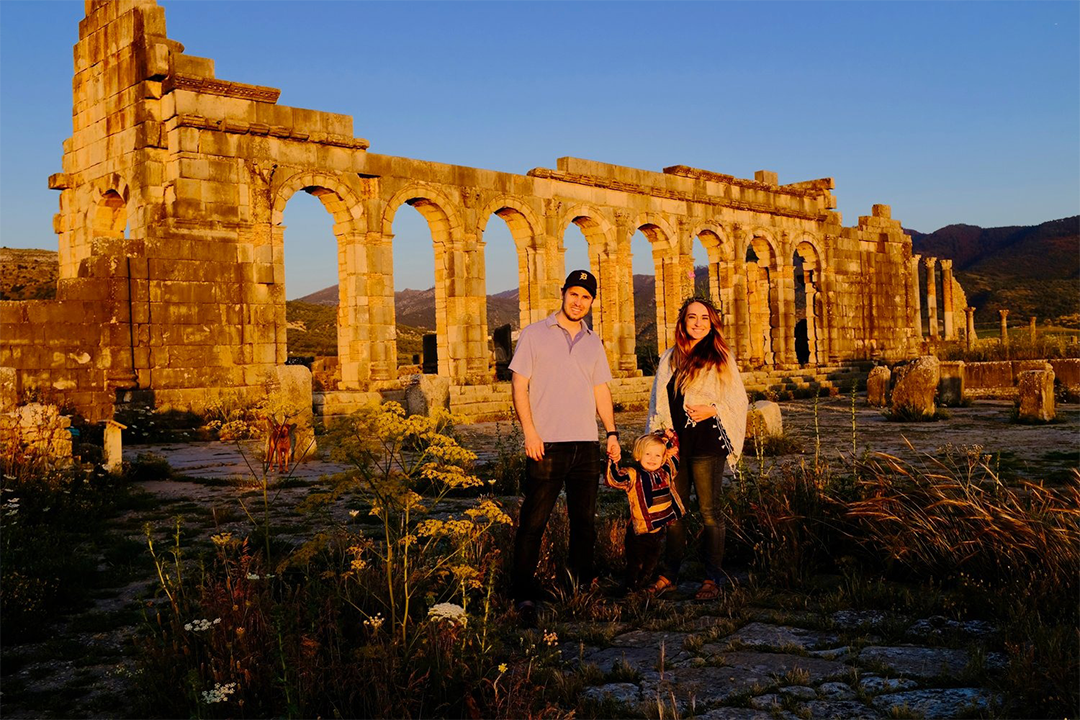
(577, 465)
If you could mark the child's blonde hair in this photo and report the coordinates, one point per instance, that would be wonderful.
(645, 441)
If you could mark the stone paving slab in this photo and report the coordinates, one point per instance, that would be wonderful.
(779, 637)
(938, 702)
(920, 663)
(218, 460)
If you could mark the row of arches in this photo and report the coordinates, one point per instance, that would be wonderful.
(763, 327)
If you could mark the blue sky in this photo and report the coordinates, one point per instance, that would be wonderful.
(950, 112)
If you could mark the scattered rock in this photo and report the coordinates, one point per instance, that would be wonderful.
(857, 619)
(672, 641)
(799, 692)
(639, 658)
(836, 691)
(916, 390)
(840, 653)
(772, 665)
(877, 386)
(765, 702)
(839, 710)
(1036, 388)
(938, 703)
(939, 626)
(876, 685)
(626, 693)
(763, 420)
(917, 662)
(780, 637)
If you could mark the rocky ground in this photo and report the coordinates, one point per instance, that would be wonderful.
(753, 660)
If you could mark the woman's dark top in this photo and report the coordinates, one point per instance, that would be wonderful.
(704, 438)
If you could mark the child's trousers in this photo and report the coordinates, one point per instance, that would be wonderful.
(642, 557)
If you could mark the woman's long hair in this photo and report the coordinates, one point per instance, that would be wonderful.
(688, 359)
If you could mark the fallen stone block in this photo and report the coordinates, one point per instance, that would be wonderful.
(951, 384)
(877, 386)
(920, 663)
(1036, 396)
(426, 394)
(763, 419)
(625, 693)
(917, 389)
(759, 635)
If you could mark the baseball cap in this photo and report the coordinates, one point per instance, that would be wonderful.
(583, 279)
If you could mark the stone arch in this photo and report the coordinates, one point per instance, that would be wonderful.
(764, 245)
(460, 315)
(720, 249)
(346, 208)
(670, 262)
(596, 227)
(341, 201)
(762, 297)
(442, 215)
(526, 229)
(599, 234)
(808, 303)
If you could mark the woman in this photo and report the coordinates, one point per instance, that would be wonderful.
(699, 394)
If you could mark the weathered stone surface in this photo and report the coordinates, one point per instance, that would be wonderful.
(626, 693)
(799, 692)
(917, 388)
(857, 619)
(776, 637)
(839, 710)
(951, 383)
(769, 701)
(638, 657)
(917, 662)
(1066, 371)
(937, 702)
(39, 429)
(876, 685)
(427, 393)
(1036, 395)
(9, 395)
(768, 665)
(835, 691)
(938, 626)
(763, 419)
(733, 713)
(877, 386)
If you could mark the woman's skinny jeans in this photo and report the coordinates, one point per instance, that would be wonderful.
(706, 472)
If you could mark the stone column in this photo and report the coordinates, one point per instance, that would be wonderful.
(1032, 327)
(947, 299)
(916, 295)
(931, 297)
(1004, 327)
(971, 338)
(785, 306)
(741, 309)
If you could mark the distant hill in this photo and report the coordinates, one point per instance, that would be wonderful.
(1030, 271)
(416, 308)
(28, 274)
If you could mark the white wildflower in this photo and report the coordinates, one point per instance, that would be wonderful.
(220, 693)
(448, 611)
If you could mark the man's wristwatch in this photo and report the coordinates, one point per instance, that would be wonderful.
(613, 433)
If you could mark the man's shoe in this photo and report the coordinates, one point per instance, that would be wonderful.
(526, 610)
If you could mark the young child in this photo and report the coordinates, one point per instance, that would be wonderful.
(653, 505)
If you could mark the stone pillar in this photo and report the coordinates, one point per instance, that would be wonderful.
(916, 295)
(114, 447)
(1032, 328)
(625, 364)
(971, 338)
(931, 297)
(740, 298)
(947, 299)
(785, 307)
(1004, 327)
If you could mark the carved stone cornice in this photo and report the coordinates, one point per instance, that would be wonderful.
(225, 88)
(701, 198)
(240, 127)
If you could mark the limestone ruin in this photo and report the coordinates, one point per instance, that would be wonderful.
(173, 186)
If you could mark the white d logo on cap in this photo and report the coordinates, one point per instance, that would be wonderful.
(584, 276)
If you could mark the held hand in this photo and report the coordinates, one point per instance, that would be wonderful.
(697, 413)
(669, 434)
(614, 451)
(534, 446)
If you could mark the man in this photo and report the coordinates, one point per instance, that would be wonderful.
(560, 376)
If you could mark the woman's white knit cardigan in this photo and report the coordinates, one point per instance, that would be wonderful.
(722, 389)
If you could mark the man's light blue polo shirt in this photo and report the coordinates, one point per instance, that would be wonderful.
(562, 372)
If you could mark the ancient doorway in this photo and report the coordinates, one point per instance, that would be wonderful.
(808, 330)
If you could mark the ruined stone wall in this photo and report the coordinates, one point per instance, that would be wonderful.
(172, 196)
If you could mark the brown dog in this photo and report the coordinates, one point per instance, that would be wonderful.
(279, 446)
